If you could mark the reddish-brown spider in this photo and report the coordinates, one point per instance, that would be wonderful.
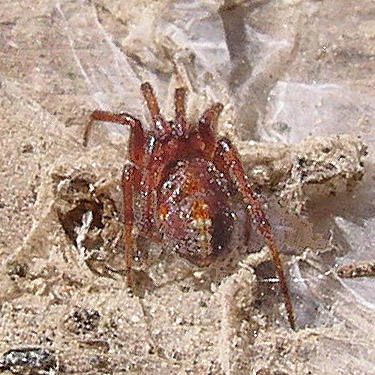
(183, 175)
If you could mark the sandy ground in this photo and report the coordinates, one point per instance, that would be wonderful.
(64, 303)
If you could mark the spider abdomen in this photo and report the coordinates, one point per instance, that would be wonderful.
(193, 212)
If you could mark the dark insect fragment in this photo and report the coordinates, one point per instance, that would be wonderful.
(32, 361)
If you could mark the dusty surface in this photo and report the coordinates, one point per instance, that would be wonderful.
(290, 73)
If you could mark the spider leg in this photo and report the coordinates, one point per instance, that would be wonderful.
(206, 126)
(137, 140)
(180, 120)
(131, 179)
(227, 160)
(149, 184)
(161, 126)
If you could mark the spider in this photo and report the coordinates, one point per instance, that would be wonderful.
(184, 175)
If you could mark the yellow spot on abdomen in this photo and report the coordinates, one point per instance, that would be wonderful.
(201, 222)
(199, 210)
(163, 212)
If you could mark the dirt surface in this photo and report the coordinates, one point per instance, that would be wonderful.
(64, 303)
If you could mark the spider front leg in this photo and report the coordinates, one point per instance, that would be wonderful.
(137, 139)
(180, 118)
(206, 125)
(161, 126)
(228, 162)
(131, 179)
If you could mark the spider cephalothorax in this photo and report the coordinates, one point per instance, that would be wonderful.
(183, 175)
